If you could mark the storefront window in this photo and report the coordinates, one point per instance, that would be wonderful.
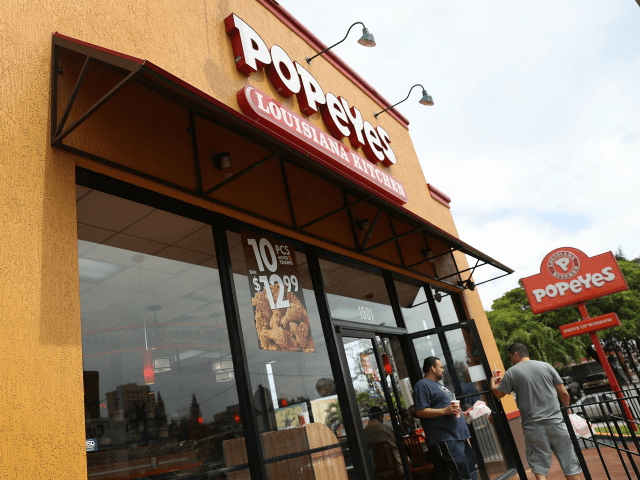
(294, 395)
(415, 307)
(356, 296)
(160, 392)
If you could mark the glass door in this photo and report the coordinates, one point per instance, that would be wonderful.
(459, 348)
(374, 367)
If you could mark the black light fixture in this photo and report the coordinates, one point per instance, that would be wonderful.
(222, 161)
(365, 40)
(428, 254)
(438, 297)
(363, 224)
(467, 284)
(425, 100)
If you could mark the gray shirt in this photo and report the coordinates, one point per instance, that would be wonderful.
(536, 395)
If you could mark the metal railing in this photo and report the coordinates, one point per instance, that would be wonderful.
(614, 427)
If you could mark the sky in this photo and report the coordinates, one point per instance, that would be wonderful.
(535, 131)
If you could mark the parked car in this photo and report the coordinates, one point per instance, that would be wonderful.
(597, 406)
(572, 386)
(596, 382)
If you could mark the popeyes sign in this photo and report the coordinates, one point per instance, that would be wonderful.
(290, 78)
(568, 276)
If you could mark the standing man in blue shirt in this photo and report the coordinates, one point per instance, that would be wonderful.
(446, 435)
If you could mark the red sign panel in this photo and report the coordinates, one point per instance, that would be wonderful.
(262, 108)
(568, 276)
(590, 325)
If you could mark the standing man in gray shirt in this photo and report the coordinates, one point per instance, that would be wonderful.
(537, 386)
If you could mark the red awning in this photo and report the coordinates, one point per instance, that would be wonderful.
(95, 85)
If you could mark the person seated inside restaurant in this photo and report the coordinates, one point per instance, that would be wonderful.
(407, 422)
(377, 431)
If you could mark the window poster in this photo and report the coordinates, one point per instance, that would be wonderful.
(279, 310)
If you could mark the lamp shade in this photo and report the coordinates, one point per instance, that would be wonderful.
(426, 99)
(367, 39)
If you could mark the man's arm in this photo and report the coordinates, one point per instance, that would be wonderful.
(494, 388)
(565, 398)
(435, 412)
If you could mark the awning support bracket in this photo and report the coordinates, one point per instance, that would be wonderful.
(105, 98)
(74, 94)
(393, 239)
(393, 232)
(495, 278)
(253, 166)
(462, 271)
(346, 206)
(196, 157)
(352, 224)
(285, 181)
(433, 258)
(371, 228)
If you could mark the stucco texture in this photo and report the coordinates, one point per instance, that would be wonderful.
(41, 406)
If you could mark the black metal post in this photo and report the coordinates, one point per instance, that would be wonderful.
(576, 446)
(239, 355)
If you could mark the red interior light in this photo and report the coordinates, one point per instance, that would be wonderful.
(387, 364)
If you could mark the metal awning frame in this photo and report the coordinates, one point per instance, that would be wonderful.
(202, 105)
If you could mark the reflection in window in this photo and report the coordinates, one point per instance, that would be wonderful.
(296, 406)
(446, 308)
(356, 296)
(415, 307)
(160, 392)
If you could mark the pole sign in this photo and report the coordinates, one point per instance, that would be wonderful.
(589, 325)
(289, 78)
(568, 276)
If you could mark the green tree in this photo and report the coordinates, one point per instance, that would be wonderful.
(511, 320)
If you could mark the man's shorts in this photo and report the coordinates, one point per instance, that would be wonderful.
(541, 440)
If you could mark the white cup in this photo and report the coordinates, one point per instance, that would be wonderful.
(457, 404)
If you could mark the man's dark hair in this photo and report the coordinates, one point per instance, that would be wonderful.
(428, 363)
(375, 413)
(518, 348)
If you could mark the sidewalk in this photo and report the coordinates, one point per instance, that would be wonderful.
(614, 466)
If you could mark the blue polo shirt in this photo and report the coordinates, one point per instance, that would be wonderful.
(430, 394)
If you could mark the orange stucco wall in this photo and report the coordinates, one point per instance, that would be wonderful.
(41, 410)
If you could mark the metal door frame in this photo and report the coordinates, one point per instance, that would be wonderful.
(370, 332)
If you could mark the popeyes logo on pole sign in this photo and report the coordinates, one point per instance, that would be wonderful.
(568, 276)
(290, 78)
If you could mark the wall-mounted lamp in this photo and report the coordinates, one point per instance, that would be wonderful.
(438, 297)
(425, 100)
(428, 254)
(365, 40)
(222, 161)
(468, 284)
(363, 224)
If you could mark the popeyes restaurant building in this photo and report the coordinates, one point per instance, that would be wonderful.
(215, 259)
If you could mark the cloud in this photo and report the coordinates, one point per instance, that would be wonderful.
(535, 129)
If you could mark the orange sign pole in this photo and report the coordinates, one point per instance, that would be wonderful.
(613, 381)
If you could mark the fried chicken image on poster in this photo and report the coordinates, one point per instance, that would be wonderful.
(279, 310)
